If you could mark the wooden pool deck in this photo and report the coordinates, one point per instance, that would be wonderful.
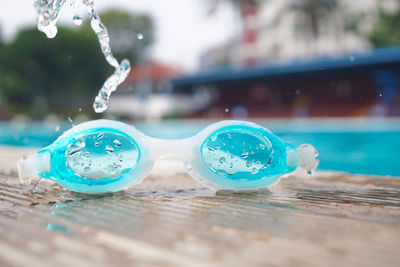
(328, 219)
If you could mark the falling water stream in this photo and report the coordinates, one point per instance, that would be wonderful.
(47, 16)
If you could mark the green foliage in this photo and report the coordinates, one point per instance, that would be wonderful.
(386, 31)
(51, 74)
(40, 75)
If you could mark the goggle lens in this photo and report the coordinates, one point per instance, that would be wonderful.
(101, 154)
(237, 152)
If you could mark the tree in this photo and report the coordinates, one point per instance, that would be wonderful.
(50, 75)
(40, 75)
(386, 30)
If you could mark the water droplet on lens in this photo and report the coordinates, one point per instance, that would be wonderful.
(245, 154)
(222, 160)
(110, 170)
(109, 149)
(117, 143)
(80, 143)
(73, 150)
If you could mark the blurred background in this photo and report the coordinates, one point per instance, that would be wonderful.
(324, 72)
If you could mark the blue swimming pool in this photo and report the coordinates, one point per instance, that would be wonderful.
(369, 146)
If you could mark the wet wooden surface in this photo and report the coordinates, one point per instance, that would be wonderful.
(325, 220)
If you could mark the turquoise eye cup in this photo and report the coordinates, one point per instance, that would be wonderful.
(107, 156)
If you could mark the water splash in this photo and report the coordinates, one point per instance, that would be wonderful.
(47, 12)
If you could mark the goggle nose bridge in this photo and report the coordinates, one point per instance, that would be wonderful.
(170, 148)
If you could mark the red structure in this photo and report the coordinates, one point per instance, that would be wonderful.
(363, 84)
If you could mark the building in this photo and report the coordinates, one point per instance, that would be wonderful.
(282, 30)
(353, 84)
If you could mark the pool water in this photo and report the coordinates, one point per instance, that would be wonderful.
(369, 146)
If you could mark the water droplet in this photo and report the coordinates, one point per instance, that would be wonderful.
(117, 143)
(80, 143)
(210, 148)
(245, 154)
(110, 170)
(109, 149)
(222, 160)
(217, 147)
(96, 144)
(57, 129)
(249, 164)
(226, 110)
(229, 136)
(140, 36)
(73, 150)
(77, 20)
(48, 15)
(70, 121)
(87, 169)
(100, 136)
(262, 146)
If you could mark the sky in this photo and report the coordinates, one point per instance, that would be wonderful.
(183, 28)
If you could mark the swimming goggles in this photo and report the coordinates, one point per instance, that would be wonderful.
(107, 156)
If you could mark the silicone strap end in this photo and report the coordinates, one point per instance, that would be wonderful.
(308, 157)
(30, 166)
